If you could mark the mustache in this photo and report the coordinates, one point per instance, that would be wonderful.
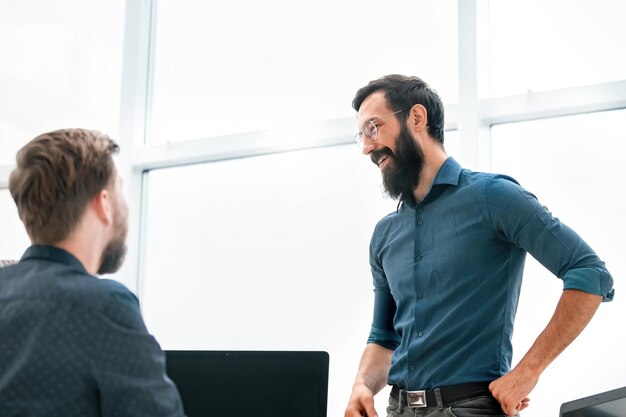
(377, 154)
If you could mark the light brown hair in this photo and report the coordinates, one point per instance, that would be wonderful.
(57, 174)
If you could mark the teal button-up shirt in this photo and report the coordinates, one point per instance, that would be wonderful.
(447, 274)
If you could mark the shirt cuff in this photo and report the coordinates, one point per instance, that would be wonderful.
(593, 281)
(386, 338)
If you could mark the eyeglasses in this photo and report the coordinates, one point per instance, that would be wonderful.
(370, 129)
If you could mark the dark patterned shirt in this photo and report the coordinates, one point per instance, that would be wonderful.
(72, 344)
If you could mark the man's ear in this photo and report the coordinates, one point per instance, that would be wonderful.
(103, 206)
(418, 117)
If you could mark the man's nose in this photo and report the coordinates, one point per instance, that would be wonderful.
(368, 145)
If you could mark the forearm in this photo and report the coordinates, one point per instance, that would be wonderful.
(573, 312)
(370, 379)
(374, 367)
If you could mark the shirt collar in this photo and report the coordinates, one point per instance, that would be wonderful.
(449, 173)
(52, 253)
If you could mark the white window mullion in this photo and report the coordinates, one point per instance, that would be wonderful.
(134, 117)
(555, 103)
(473, 132)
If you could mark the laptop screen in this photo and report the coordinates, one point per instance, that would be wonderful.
(245, 383)
(606, 404)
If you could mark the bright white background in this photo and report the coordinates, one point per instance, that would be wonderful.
(222, 68)
(252, 209)
(584, 191)
(60, 66)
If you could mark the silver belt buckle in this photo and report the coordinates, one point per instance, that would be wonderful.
(416, 399)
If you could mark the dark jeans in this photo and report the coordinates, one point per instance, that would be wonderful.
(474, 407)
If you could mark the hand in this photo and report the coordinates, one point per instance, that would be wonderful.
(512, 389)
(361, 403)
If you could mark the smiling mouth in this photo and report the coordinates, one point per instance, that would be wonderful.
(382, 157)
(381, 160)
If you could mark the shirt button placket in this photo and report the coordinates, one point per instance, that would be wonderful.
(419, 222)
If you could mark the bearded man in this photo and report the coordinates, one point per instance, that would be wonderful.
(447, 269)
(71, 343)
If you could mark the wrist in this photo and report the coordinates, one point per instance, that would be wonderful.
(529, 368)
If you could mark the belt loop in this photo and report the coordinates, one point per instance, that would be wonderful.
(438, 397)
(400, 392)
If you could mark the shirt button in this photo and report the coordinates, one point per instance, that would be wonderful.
(420, 295)
(418, 258)
(412, 367)
(420, 334)
(419, 222)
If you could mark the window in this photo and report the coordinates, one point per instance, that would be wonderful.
(537, 45)
(64, 68)
(221, 68)
(574, 165)
(259, 253)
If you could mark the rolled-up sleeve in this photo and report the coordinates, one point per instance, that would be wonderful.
(519, 217)
(594, 281)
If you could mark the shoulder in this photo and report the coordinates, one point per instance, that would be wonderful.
(494, 188)
(486, 179)
(96, 295)
(93, 292)
(392, 220)
(114, 291)
(116, 302)
(104, 304)
(502, 191)
(64, 287)
(389, 218)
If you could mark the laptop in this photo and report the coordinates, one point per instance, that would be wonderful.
(245, 383)
(606, 404)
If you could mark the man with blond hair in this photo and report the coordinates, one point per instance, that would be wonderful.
(72, 344)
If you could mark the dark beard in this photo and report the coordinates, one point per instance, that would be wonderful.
(113, 257)
(402, 175)
(115, 251)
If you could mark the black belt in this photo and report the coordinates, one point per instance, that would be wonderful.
(449, 395)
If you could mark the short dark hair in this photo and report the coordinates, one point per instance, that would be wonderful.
(57, 173)
(403, 92)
